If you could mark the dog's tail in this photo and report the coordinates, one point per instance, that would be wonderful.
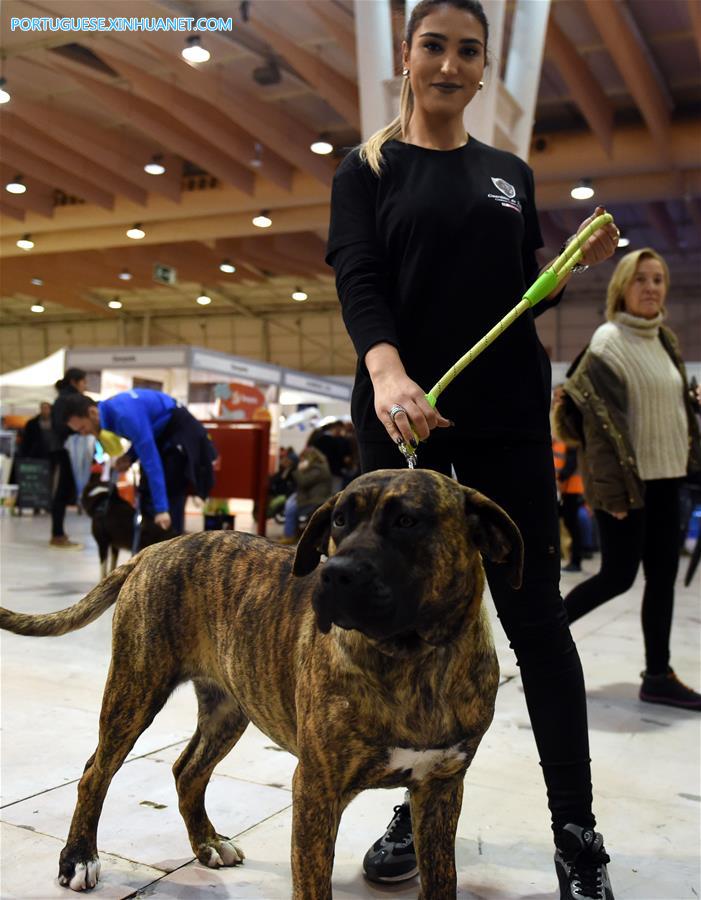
(73, 617)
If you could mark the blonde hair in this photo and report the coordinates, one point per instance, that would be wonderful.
(371, 150)
(623, 275)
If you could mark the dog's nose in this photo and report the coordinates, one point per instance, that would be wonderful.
(345, 575)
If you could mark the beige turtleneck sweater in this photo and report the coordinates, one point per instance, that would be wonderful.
(657, 421)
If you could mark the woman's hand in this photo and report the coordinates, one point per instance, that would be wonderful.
(619, 515)
(602, 244)
(402, 391)
(393, 387)
(163, 520)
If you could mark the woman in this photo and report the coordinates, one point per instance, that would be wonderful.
(631, 411)
(433, 238)
(314, 486)
(63, 486)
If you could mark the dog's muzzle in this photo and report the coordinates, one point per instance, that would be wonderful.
(352, 595)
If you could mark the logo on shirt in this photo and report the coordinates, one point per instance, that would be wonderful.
(508, 190)
(507, 197)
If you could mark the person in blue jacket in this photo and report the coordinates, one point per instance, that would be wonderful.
(172, 447)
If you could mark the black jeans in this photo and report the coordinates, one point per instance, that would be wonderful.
(62, 490)
(520, 477)
(651, 536)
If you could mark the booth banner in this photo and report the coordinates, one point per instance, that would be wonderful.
(240, 402)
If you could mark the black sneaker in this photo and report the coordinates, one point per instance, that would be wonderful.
(392, 858)
(668, 690)
(580, 863)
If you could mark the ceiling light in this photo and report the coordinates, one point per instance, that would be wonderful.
(322, 146)
(204, 300)
(262, 220)
(16, 186)
(155, 167)
(193, 51)
(125, 275)
(257, 160)
(37, 308)
(623, 241)
(4, 94)
(25, 242)
(136, 232)
(115, 304)
(583, 190)
(299, 295)
(37, 282)
(227, 266)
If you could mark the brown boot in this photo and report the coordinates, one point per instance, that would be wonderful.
(64, 543)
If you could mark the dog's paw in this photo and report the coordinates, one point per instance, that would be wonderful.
(220, 852)
(84, 876)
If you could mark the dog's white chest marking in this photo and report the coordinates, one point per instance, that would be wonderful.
(422, 762)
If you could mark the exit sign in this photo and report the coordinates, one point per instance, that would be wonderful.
(164, 274)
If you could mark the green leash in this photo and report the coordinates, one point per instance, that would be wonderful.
(544, 285)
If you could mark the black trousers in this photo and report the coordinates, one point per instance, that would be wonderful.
(520, 477)
(63, 490)
(651, 536)
(570, 504)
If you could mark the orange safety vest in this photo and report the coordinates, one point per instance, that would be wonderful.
(574, 484)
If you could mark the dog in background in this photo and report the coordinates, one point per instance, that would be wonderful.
(376, 669)
(113, 523)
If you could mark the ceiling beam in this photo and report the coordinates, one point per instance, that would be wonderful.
(150, 119)
(695, 16)
(578, 154)
(660, 219)
(175, 231)
(342, 33)
(47, 148)
(338, 91)
(635, 63)
(12, 212)
(221, 199)
(104, 147)
(24, 161)
(206, 119)
(586, 91)
(622, 189)
(38, 198)
(272, 126)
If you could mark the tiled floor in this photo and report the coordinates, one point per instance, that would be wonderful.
(646, 767)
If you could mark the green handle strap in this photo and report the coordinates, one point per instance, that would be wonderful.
(542, 287)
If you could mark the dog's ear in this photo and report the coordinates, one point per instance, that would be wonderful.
(315, 539)
(495, 534)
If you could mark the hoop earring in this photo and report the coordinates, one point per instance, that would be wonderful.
(405, 73)
(480, 85)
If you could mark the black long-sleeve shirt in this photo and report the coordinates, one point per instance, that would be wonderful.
(428, 257)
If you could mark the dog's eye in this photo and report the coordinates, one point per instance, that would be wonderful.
(339, 520)
(405, 521)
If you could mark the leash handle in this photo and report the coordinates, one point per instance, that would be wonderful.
(542, 287)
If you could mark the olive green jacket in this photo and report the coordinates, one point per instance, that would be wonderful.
(593, 417)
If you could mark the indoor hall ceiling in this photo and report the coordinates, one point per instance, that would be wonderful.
(619, 102)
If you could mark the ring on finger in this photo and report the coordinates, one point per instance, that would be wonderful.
(394, 411)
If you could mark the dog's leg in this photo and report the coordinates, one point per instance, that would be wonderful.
(114, 553)
(220, 723)
(129, 705)
(435, 808)
(103, 567)
(316, 814)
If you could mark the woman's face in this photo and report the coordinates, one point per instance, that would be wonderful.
(446, 61)
(645, 295)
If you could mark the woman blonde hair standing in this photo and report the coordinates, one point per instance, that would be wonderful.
(433, 237)
(633, 417)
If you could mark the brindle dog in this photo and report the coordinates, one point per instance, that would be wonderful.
(376, 669)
